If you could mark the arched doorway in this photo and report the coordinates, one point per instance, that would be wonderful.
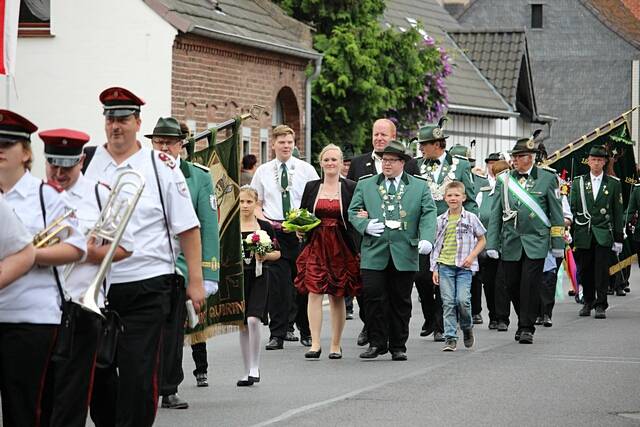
(285, 110)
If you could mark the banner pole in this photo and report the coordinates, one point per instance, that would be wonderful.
(8, 90)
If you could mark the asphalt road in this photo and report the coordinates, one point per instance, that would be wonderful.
(581, 371)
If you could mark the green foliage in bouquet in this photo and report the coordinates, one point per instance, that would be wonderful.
(300, 220)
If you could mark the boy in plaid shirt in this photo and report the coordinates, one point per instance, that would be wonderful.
(454, 260)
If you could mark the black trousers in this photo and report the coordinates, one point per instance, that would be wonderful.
(594, 272)
(73, 378)
(25, 386)
(279, 298)
(521, 280)
(429, 295)
(131, 392)
(290, 249)
(173, 341)
(476, 294)
(488, 272)
(547, 293)
(388, 302)
(199, 354)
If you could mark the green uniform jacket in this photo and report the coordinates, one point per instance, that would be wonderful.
(525, 230)
(204, 202)
(479, 182)
(402, 245)
(634, 206)
(459, 169)
(607, 217)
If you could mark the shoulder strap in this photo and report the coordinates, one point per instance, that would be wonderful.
(164, 212)
(104, 281)
(44, 220)
(583, 202)
(95, 189)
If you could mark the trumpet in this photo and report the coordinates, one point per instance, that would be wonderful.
(54, 233)
(110, 227)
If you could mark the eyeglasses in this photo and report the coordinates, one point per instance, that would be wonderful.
(165, 141)
(391, 161)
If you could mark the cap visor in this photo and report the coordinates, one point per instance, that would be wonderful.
(65, 162)
(119, 112)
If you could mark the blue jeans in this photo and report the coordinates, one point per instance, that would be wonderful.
(455, 290)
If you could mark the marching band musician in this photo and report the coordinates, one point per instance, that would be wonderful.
(63, 152)
(141, 284)
(17, 253)
(30, 307)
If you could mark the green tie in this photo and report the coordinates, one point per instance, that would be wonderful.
(392, 202)
(284, 183)
(392, 186)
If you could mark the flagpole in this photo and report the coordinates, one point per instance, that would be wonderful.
(8, 90)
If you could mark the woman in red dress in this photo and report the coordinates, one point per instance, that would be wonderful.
(329, 263)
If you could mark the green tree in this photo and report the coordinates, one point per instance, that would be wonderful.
(369, 71)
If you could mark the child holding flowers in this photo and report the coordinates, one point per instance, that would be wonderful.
(259, 247)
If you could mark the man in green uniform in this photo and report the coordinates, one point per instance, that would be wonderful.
(526, 221)
(596, 203)
(167, 137)
(395, 213)
(438, 167)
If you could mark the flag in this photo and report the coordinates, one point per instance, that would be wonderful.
(571, 161)
(224, 311)
(9, 12)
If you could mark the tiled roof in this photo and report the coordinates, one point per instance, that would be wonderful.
(256, 23)
(497, 54)
(467, 87)
(617, 17)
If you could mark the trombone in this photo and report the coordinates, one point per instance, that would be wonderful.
(54, 233)
(110, 227)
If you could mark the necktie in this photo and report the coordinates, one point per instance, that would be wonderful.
(393, 214)
(286, 199)
(392, 187)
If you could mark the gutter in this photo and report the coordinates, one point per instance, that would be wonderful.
(480, 111)
(255, 43)
(307, 108)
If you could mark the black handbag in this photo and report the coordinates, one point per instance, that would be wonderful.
(112, 327)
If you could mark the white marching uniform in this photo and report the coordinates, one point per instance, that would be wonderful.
(34, 298)
(83, 197)
(13, 236)
(152, 256)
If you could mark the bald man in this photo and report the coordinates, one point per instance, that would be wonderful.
(368, 164)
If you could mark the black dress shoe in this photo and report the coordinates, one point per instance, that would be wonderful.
(255, 379)
(313, 354)
(173, 401)
(275, 344)
(546, 321)
(305, 341)
(245, 383)
(373, 352)
(620, 292)
(334, 355)
(290, 336)
(398, 355)
(526, 337)
(600, 314)
(609, 291)
(585, 311)
(518, 335)
(493, 324)
(572, 293)
(349, 315)
(538, 321)
(477, 319)
(438, 337)
(363, 337)
(427, 329)
(502, 327)
(201, 379)
(627, 289)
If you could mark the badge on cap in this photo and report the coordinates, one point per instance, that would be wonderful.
(437, 133)
(530, 144)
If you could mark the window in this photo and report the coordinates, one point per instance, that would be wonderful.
(264, 145)
(246, 140)
(35, 18)
(536, 16)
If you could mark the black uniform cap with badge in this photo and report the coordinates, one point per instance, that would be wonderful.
(63, 147)
(14, 128)
(120, 102)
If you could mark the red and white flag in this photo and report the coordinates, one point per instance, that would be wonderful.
(9, 11)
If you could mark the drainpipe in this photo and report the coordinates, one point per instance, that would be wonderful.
(307, 108)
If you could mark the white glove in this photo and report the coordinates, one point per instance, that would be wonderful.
(424, 247)
(557, 253)
(210, 287)
(375, 228)
(617, 248)
(493, 254)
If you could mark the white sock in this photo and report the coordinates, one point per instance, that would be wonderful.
(245, 349)
(253, 324)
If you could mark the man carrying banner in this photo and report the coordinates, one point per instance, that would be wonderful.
(596, 203)
(526, 221)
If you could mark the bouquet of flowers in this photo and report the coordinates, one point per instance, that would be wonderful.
(258, 243)
(300, 220)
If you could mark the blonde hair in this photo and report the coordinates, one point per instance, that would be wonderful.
(26, 146)
(282, 130)
(327, 148)
(250, 190)
(454, 185)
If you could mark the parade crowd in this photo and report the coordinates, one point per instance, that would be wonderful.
(95, 326)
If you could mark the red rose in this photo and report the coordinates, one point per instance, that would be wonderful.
(255, 238)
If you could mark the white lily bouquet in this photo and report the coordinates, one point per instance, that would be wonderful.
(258, 243)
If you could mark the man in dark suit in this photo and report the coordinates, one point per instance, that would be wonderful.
(369, 164)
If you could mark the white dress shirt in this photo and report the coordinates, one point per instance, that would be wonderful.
(396, 182)
(266, 181)
(377, 162)
(34, 297)
(13, 236)
(83, 197)
(438, 169)
(152, 256)
(596, 181)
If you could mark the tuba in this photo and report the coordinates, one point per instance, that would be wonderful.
(54, 233)
(110, 227)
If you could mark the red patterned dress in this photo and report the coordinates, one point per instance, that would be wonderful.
(327, 265)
